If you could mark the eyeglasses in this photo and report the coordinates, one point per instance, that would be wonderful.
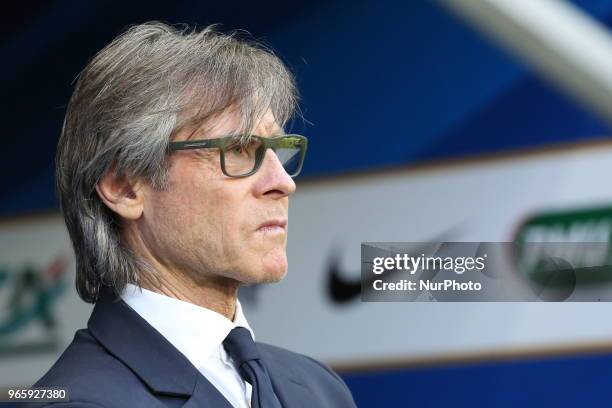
(242, 158)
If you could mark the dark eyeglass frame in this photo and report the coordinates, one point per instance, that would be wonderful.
(229, 142)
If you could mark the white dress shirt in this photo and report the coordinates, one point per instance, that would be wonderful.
(198, 333)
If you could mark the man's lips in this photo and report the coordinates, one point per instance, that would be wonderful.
(276, 225)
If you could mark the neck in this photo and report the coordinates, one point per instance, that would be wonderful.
(213, 292)
(217, 294)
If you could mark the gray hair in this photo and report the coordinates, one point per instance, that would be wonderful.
(147, 84)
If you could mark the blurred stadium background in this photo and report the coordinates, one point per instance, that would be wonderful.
(454, 120)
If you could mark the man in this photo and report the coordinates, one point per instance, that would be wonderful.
(174, 176)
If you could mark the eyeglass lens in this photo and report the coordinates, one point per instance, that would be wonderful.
(241, 159)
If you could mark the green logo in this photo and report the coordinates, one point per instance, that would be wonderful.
(566, 249)
(28, 295)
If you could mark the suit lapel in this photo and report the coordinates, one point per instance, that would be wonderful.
(165, 370)
(206, 395)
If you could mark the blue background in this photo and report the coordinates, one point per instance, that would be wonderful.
(383, 83)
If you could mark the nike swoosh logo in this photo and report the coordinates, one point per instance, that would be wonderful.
(343, 290)
(340, 290)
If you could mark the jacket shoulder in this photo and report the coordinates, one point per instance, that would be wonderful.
(314, 374)
(92, 376)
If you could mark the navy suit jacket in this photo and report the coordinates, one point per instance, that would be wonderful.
(122, 361)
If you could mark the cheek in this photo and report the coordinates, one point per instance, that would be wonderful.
(185, 210)
(227, 219)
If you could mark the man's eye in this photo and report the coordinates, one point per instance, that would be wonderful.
(238, 149)
(244, 147)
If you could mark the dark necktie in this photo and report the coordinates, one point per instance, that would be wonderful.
(241, 347)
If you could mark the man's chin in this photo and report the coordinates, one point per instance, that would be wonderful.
(272, 269)
(273, 273)
(263, 273)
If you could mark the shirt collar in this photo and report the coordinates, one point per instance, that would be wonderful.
(195, 331)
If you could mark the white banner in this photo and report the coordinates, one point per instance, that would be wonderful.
(478, 201)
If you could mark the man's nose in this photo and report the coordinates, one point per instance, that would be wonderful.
(273, 179)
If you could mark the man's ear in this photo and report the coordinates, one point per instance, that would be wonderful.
(121, 194)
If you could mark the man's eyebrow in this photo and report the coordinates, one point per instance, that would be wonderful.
(204, 133)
